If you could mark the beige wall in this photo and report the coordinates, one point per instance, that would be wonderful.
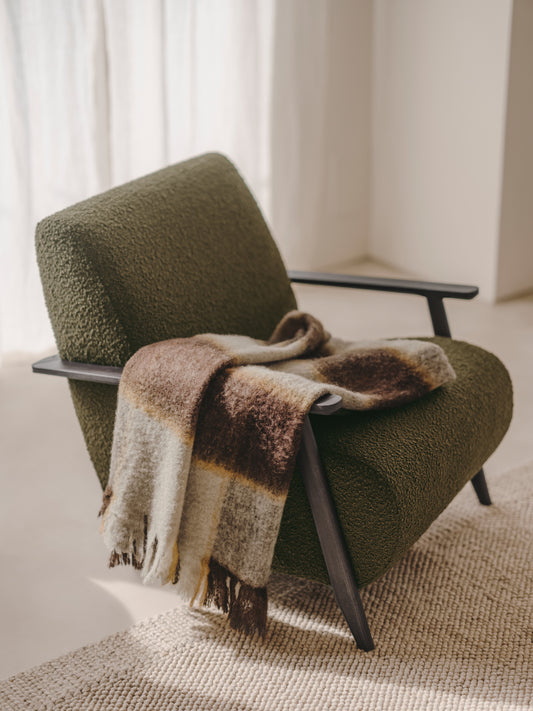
(515, 252)
(439, 95)
(321, 130)
(401, 130)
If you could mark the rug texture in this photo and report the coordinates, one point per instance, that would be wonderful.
(453, 625)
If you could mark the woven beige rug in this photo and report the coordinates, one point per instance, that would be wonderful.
(453, 625)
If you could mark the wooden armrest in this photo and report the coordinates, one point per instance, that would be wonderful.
(110, 375)
(53, 365)
(403, 286)
(326, 405)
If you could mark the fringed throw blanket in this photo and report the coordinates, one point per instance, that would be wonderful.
(206, 435)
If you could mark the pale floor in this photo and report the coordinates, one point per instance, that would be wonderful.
(56, 592)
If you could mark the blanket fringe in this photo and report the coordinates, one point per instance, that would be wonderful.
(248, 613)
(217, 586)
(245, 605)
(117, 558)
(133, 556)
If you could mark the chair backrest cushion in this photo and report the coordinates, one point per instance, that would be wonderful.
(182, 251)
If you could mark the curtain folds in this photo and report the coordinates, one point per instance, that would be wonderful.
(98, 92)
(52, 144)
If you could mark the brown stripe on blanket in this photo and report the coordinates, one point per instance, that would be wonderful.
(171, 376)
(297, 325)
(384, 374)
(250, 431)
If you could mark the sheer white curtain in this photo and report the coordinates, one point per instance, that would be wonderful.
(97, 92)
(51, 153)
(185, 77)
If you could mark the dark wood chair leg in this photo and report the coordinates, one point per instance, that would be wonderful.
(332, 542)
(482, 490)
(442, 328)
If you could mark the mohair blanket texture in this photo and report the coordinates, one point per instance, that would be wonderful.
(206, 436)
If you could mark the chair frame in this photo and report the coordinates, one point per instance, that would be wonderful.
(332, 543)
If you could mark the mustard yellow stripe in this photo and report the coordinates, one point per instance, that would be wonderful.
(174, 564)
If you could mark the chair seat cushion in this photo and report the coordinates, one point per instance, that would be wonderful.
(392, 472)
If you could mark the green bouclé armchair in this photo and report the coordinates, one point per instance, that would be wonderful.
(186, 250)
